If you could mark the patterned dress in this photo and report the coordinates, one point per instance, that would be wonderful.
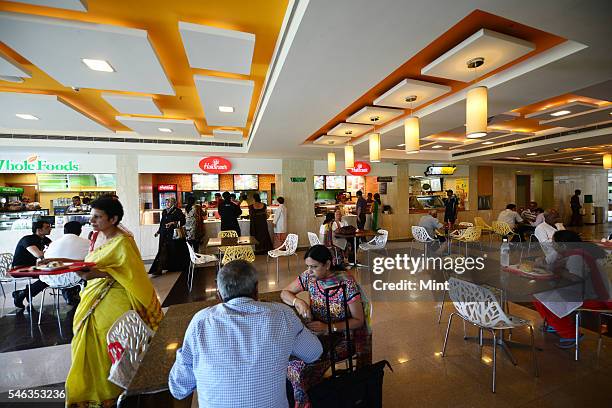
(301, 375)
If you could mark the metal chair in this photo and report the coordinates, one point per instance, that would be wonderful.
(379, 242)
(6, 261)
(313, 239)
(466, 224)
(421, 235)
(531, 238)
(225, 234)
(232, 253)
(599, 312)
(479, 306)
(196, 260)
(56, 284)
(484, 227)
(471, 234)
(503, 230)
(290, 245)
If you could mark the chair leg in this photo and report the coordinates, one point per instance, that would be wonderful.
(450, 320)
(42, 301)
(480, 340)
(465, 336)
(533, 352)
(599, 330)
(277, 270)
(441, 306)
(577, 334)
(494, 357)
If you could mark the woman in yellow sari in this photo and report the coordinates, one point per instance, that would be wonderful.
(116, 284)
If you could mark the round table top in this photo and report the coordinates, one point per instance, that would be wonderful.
(359, 234)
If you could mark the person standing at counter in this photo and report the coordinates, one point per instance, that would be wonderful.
(229, 213)
(29, 250)
(258, 213)
(451, 205)
(280, 223)
(194, 223)
(75, 207)
(361, 208)
(376, 211)
(172, 254)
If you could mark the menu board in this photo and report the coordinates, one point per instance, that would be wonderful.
(319, 182)
(76, 182)
(355, 183)
(205, 182)
(335, 182)
(434, 183)
(246, 182)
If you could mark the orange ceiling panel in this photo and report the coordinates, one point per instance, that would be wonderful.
(160, 19)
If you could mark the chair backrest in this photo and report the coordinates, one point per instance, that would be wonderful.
(227, 234)
(6, 261)
(502, 228)
(132, 333)
(62, 281)
(420, 234)
(477, 304)
(380, 240)
(471, 234)
(313, 239)
(291, 243)
(466, 224)
(232, 253)
(192, 255)
(480, 222)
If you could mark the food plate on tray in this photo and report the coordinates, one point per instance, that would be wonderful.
(52, 268)
(528, 270)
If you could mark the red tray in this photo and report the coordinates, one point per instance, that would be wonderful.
(30, 272)
(527, 275)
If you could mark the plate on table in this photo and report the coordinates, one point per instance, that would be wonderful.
(530, 271)
(50, 269)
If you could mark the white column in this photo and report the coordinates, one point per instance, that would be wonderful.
(127, 190)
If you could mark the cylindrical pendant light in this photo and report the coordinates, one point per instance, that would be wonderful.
(476, 112)
(331, 162)
(607, 161)
(374, 147)
(349, 157)
(411, 134)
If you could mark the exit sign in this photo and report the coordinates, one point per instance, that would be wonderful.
(298, 179)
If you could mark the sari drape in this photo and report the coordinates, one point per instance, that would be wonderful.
(102, 302)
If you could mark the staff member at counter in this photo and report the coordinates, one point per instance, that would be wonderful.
(229, 213)
(173, 254)
(77, 206)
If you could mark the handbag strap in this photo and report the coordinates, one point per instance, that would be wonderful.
(332, 351)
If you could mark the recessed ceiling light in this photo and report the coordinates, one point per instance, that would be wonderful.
(588, 162)
(487, 143)
(165, 130)
(561, 113)
(513, 158)
(26, 116)
(401, 145)
(577, 158)
(437, 147)
(413, 152)
(226, 109)
(98, 65)
(476, 135)
(532, 154)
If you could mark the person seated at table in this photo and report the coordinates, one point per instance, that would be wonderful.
(117, 283)
(510, 216)
(587, 261)
(29, 250)
(529, 214)
(236, 353)
(321, 273)
(70, 247)
(539, 217)
(430, 222)
(544, 233)
(337, 246)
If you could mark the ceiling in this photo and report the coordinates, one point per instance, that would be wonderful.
(310, 74)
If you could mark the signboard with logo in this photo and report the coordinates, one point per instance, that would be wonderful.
(215, 165)
(166, 187)
(440, 170)
(360, 169)
(41, 163)
(11, 190)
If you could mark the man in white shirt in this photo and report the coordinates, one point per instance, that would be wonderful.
(510, 216)
(280, 223)
(544, 233)
(539, 217)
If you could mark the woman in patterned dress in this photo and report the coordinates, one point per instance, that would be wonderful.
(321, 274)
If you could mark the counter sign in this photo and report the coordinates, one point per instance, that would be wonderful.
(215, 165)
(360, 169)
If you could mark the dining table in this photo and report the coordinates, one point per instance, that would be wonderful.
(357, 234)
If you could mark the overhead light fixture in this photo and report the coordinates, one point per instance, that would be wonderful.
(165, 130)
(577, 158)
(437, 147)
(331, 162)
(561, 113)
(349, 157)
(607, 161)
(98, 65)
(226, 109)
(26, 116)
(532, 154)
(401, 145)
(487, 143)
(374, 142)
(476, 105)
(412, 137)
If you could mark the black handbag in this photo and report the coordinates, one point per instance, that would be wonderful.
(351, 388)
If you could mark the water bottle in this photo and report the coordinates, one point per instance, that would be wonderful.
(504, 253)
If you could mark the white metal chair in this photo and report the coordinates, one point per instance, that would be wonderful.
(421, 235)
(196, 260)
(58, 283)
(290, 246)
(379, 242)
(313, 239)
(6, 261)
(479, 306)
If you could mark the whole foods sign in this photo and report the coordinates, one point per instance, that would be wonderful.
(360, 169)
(36, 164)
(215, 165)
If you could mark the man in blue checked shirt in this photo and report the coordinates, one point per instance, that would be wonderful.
(236, 353)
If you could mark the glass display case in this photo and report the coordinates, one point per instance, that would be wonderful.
(18, 220)
(426, 202)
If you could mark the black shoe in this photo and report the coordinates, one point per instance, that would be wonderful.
(18, 298)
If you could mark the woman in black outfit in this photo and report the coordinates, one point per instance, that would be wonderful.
(258, 214)
(229, 213)
(172, 254)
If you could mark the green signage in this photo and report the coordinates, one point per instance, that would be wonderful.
(298, 179)
(35, 164)
(11, 190)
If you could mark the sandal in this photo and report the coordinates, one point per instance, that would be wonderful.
(568, 343)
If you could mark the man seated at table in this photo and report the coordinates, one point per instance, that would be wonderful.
(511, 217)
(236, 353)
(431, 224)
(544, 233)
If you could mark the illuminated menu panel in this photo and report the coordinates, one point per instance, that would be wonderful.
(205, 182)
(335, 182)
(246, 182)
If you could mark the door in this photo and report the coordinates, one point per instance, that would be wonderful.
(523, 190)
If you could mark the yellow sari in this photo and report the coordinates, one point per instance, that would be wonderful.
(102, 302)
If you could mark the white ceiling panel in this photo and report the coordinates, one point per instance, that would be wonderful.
(234, 136)
(52, 113)
(217, 49)
(134, 105)
(215, 92)
(349, 129)
(76, 5)
(181, 129)
(582, 119)
(58, 47)
(11, 68)
(365, 114)
(497, 49)
(570, 108)
(332, 140)
(424, 92)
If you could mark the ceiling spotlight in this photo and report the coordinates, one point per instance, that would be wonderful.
(577, 158)
(513, 158)
(98, 65)
(374, 118)
(411, 98)
(561, 113)
(476, 135)
(226, 109)
(487, 143)
(532, 154)
(437, 147)
(401, 145)
(348, 132)
(26, 116)
(165, 130)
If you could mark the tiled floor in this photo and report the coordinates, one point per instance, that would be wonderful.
(405, 333)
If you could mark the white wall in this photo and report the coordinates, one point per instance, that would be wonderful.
(189, 165)
(82, 162)
(378, 169)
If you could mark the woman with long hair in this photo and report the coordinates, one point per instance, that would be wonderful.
(194, 223)
(258, 213)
